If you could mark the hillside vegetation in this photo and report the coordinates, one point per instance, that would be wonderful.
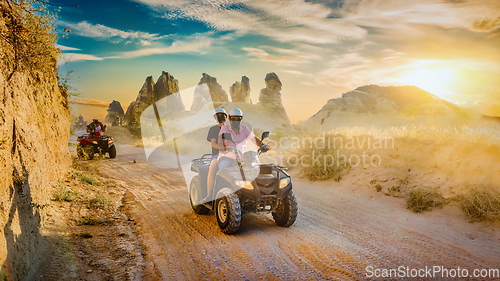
(428, 165)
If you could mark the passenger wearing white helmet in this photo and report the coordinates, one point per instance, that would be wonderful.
(213, 137)
(240, 135)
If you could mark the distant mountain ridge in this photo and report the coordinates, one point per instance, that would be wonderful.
(384, 106)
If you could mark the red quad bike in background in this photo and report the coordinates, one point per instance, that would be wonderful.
(90, 144)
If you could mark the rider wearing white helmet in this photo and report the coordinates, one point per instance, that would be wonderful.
(213, 137)
(240, 135)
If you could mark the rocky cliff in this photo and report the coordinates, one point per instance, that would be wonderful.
(240, 91)
(114, 110)
(385, 106)
(270, 99)
(217, 94)
(34, 134)
(166, 85)
(268, 114)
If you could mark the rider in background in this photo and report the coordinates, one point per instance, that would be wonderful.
(96, 127)
(240, 134)
(213, 137)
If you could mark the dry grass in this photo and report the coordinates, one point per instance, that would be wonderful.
(62, 193)
(479, 134)
(423, 157)
(481, 203)
(91, 202)
(99, 201)
(420, 199)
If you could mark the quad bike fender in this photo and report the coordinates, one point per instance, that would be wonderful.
(223, 181)
(195, 168)
(284, 191)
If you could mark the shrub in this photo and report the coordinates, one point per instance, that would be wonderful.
(88, 179)
(99, 201)
(28, 38)
(481, 204)
(320, 172)
(64, 194)
(420, 199)
(325, 166)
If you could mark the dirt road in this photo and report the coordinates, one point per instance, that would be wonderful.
(339, 232)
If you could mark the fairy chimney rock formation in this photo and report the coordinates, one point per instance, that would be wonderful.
(240, 91)
(114, 110)
(166, 86)
(217, 94)
(270, 98)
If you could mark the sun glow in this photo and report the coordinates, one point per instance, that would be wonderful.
(438, 81)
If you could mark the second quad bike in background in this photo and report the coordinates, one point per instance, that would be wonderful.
(90, 144)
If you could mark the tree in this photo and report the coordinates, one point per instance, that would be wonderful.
(28, 38)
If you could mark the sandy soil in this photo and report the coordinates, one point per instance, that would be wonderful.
(340, 231)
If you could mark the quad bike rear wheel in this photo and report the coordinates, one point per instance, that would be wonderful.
(228, 211)
(112, 151)
(194, 196)
(287, 210)
(91, 151)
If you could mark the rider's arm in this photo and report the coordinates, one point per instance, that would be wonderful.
(223, 147)
(214, 144)
(256, 140)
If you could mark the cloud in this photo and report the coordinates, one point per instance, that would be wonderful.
(286, 57)
(191, 45)
(293, 53)
(296, 73)
(266, 57)
(102, 32)
(486, 25)
(282, 20)
(92, 102)
(404, 16)
(71, 57)
(65, 48)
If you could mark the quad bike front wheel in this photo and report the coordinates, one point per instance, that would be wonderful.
(79, 151)
(112, 151)
(90, 150)
(287, 210)
(194, 196)
(228, 211)
(85, 152)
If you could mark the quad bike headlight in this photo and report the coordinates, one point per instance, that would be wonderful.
(94, 142)
(244, 184)
(284, 182)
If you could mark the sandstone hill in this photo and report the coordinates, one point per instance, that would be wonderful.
(384, 106)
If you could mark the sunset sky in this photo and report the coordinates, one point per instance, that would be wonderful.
(319, 49)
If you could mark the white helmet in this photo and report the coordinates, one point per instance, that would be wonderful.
(219, 111)
(236, 112)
